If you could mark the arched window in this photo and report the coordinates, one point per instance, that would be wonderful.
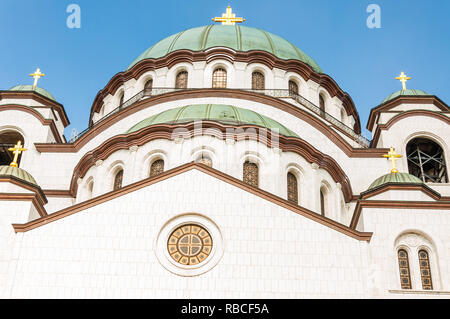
(293, 88)
(403, 265)
(157, 167)
(426, 160)
(422, 256)
(425, 271)
(322, 202)
(250, 174)
(219, 79)
(90, 190)
(121, 99)
(148, 84)
(258, 81)
(8, 140)
(292, 187)
(182, 80)
(118, 180)
(322, 105)
(343, 115)
(204, 159)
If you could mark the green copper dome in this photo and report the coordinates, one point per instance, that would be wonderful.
(395, 178)
(225, 114)
(238, 38)
(17, 173)
(405, 93)
(36, 89)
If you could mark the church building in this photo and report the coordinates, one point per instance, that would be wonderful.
(224, 163)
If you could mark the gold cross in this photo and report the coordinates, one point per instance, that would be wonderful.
(403, 78)
(17, 149)
(228, 18)
(392, 156)
(36, 75)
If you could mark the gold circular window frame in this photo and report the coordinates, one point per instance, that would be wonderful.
(189, 244)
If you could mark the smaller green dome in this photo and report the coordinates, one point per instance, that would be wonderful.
(31, 88)
(226, 114)
(395, 178)
(17, 173)
(405, 93)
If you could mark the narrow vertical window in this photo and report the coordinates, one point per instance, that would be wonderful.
(182, 80)
(293, 88)
(322, 105)
(157, 168)
(258, 81)
(219, 79)
(118, 180)
(343, 115)
(403, 264)
(292, 188)
(322, 203)
(121, 99)
(148, 85)
(251, 174)
(425, 271)
(90, 190)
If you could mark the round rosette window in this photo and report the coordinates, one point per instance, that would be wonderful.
(189, 245)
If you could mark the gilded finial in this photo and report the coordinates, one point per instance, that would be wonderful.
(36, 75)
(228, 18)
(17, 150)
(403, 78)
(392, 156)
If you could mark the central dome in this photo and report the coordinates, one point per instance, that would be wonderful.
(238, 38)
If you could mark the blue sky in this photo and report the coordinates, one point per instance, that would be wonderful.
(414, 37)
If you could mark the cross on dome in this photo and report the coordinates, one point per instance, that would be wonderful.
(393, 157)
(17, 150)
(403, 78)
(228, 18)
(36, 75)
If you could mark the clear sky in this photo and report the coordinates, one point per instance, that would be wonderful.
(414, 37)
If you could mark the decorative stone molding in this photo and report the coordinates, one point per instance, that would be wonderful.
(277, 150)
(179, 140)
(230, 141)
(133, 148)
(98, 163)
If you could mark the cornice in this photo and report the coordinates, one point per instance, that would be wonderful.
(28, 186)
(363, 236)
(268, 59)
(25, 197)
(39, 98)
(36, 114)
(363, 202)
(429, 99)
(400, 186)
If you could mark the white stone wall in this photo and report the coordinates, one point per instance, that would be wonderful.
(388, 225)
(107, 251)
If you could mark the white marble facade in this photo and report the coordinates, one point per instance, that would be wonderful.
(261, 249)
